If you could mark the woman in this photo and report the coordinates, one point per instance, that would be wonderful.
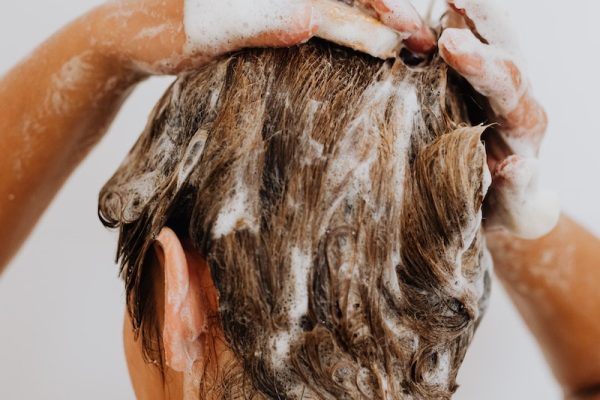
(304, 223)
(46, 159)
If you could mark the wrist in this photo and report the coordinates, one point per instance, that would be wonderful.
(523, 264)
(105, 38)
(140, 37)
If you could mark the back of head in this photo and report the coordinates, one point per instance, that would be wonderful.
(337, 199)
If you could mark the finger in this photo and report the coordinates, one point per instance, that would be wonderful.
(496, 75)
(350, 27)
(329, 20)
(398, 14)
(454, 18)
(422, 41)
(403, 17)
(528, 122)
(231, 25)
(287, 27)
(488, 21)
(490, 71)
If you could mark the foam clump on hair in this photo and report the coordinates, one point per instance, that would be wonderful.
(337, 199)
(212, 29)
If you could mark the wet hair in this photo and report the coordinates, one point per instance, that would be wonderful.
(337, 199)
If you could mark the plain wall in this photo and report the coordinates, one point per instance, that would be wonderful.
(61, 303)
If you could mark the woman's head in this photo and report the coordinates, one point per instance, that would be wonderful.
(334, 200)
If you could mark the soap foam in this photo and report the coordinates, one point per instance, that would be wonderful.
(362, 33)
(296, 307)
(492, 22)
(235, 213)
(213, 29)
(70, 75)
(152, 32)
(519, 203)
(300, 269)
(497, 83)
(281, 349)
(439, 376)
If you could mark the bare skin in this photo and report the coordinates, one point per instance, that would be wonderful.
(182, 277)
(60, 101)
(553, 283)
(551, 280)
(475, 45)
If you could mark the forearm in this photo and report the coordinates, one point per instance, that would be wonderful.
(553, 282)
(56, 105)
(60, 100)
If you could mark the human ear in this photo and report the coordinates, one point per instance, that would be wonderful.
(185, 306)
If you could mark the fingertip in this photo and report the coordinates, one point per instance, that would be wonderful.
(447, 37)
(447, 45)
(350, 27)
(422, 41)
(399, 15)
(457, 38)
(304, 29)
(455, 43)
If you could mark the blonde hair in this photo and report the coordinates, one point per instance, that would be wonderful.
(337, 199)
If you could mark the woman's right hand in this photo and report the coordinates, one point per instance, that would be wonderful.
(169, 36)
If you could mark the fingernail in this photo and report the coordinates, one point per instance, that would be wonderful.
(422, 41)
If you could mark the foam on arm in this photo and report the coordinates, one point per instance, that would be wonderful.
(235, 23)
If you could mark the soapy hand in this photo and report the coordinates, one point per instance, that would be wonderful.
(169, 36)
(402, 16)
(478, 45)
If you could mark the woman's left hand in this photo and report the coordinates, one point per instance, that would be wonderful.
(169, 36)
(479, 46)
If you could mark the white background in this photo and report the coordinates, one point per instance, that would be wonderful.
(61, 304)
